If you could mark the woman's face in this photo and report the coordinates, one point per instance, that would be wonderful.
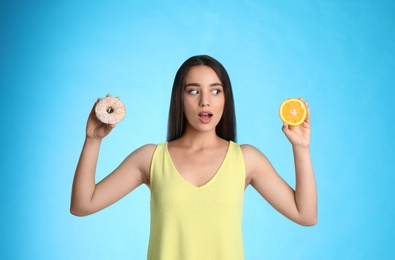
(203, 98)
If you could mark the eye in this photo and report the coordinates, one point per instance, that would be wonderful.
(193, 91)
(216, 91)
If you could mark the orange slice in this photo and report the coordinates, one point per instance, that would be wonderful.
(293, 111)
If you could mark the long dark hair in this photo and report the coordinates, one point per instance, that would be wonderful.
(226, 127)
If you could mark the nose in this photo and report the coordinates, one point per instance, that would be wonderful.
(204, 100)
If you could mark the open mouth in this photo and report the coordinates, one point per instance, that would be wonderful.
(205, 115)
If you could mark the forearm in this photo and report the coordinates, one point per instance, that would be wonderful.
(305, 191)
(84, 178)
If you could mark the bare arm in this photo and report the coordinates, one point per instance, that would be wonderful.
(88, 197)
(299, 205)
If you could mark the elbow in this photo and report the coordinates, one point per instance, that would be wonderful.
(308, 222)
(78, 212)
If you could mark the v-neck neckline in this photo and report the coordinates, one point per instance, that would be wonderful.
(209, 181)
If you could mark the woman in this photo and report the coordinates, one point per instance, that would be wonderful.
(197, 179)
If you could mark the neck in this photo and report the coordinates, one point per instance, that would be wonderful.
(199, 140)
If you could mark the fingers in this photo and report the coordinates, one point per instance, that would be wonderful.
(285, 128)
(94, 106)
(307, 120)
(109, 95)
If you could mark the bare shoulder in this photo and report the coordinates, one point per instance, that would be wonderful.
(250, 152)
(143, 155)
(247, 147)
(147, 150)
(255, 162)
(140, 159)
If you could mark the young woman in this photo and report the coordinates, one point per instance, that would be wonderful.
(198, 177)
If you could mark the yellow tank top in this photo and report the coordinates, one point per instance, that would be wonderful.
(189, 222)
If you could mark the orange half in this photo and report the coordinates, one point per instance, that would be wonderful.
(293, 111)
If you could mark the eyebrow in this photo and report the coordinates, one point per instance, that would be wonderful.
(198, 85)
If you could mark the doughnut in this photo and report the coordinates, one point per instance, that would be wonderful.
(110, 110)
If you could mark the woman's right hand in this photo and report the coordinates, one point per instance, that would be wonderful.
(95, 128)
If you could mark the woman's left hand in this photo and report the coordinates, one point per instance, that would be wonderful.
(299, 136)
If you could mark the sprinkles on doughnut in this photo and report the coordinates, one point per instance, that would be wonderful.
(110, 110)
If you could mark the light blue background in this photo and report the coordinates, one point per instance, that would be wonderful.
(57, 57)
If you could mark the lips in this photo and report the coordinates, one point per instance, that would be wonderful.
(205, 117)
(205, 114)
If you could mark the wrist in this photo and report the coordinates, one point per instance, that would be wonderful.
(92, 140)
(300, 148)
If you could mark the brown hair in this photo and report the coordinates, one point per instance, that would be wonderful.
(226, 127)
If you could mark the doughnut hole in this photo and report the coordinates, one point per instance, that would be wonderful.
(110, 110)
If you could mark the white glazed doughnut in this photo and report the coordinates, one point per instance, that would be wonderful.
(110, 110)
